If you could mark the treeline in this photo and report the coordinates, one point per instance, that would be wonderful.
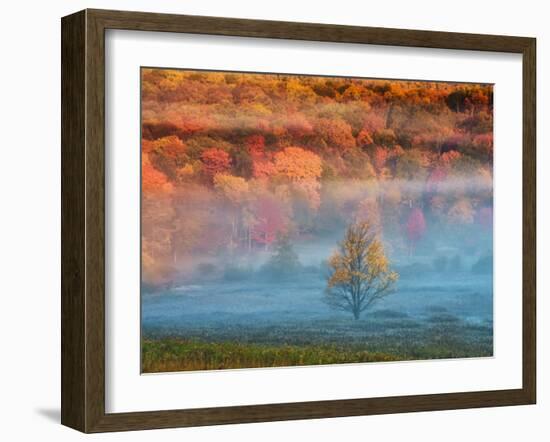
(230, 162)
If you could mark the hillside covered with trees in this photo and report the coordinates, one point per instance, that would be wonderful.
(236, 166)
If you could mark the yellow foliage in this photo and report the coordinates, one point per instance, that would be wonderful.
(234, 188)
(360, 271)
(296, 163)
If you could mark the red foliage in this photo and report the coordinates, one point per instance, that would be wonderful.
(152, 180)
(255, 145)
(190, 125)
(416, 225)
(380, 157)
(269, 221)
(215, 161)
(263, 169)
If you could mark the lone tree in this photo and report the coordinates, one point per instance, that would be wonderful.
(359, 273)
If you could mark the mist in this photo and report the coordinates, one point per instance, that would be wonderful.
(445, 278)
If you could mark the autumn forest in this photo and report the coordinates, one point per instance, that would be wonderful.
(299, 220)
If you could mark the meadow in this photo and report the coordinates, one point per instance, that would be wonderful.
(287, 324)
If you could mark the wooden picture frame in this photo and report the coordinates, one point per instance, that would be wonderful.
(83, 220)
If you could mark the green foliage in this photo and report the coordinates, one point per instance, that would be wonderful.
(385, 137)
(195, 146)
(184, 355)
(411, 165)
(284, 262)
(175, 354)
(360, 166)
(242, 162)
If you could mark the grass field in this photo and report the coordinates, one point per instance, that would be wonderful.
(177, 354)
(228, 326)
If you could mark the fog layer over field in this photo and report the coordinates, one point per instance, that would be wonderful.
(444, 295)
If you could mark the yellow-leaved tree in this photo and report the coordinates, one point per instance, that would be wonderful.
(359, 271)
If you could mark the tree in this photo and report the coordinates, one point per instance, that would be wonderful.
(380, 157)
(359, 271)
(263, 169)
(303, 169)
(236, 190)
(152, 180)
(284, 261)
(416, 227)
(215, 161)
(298, 164)
(335, 132)
(167, 155)
(255, 144)
(269, 221)
(411, 165)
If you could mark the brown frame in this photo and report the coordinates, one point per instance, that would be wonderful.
(83, 217)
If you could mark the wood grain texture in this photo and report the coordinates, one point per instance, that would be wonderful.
(144, 21)
(529, 219)
(83, 220)
(73, 129)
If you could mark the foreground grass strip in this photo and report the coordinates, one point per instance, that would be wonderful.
(182, 355)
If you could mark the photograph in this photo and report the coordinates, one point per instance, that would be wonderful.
(298, 220)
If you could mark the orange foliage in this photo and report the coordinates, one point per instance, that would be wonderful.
(298, 164)
(364, 138)
(448, 158)
(215, 161)
(153, 181)
(336, 133)
(231, 160)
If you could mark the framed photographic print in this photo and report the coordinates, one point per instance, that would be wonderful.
(268, 220)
